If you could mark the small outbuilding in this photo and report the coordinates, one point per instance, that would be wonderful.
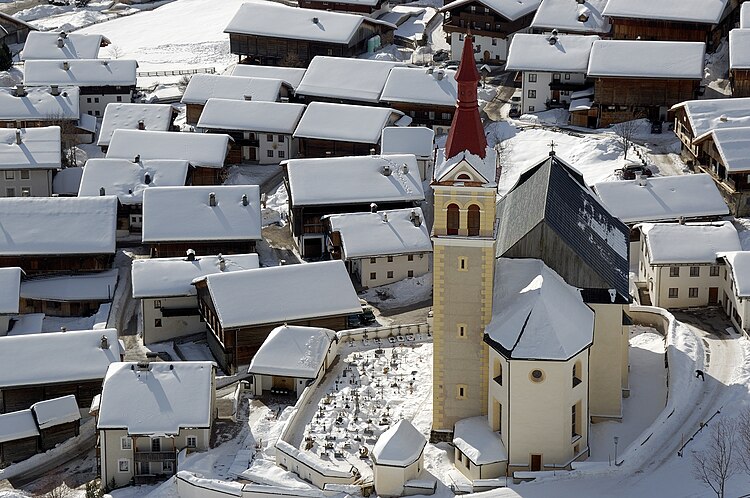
(398, 457)
(291, 358)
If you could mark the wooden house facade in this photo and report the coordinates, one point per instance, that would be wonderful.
(257, 35)
(366, 8)
(439, 118)
(489, 27)
(315, 295)
(34, 264)
(14, 398)
(624, 99)
(721, 154)
(236, 346)
(13, 31)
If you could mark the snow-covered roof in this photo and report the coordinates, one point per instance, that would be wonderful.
(709, 114)
(400, 446)
(739, 43)
(421, 86)
(185, 214)
(10, 285)
(744, 16)
(563, 15)
(127, 179)
(162, 399)
(673, 243)
(344, 78)
(647, 59)
(739, 263)
(56, 357)
(536, 314)
(289, 75)
(569, 54)
(39, 104)
(477, 441)
(57, 225)
(306, 291)
(205, 86)
(354, 180)
(582, 104)
(486, 167)
(293, 351)
(253, 115)
(56, 411)
(167, 277)
(280, 21)
(155, 117)
(207, 150)
(662, 198)
(382, 233)
(698, 11)
(28, 323)
(46, 45)
(344, 122)
(17, 425)
(310, 460)
(30, 148)
(67, 181)
(417, 140)
(732, 144)
(80, 72)
(510, 9)
(98, 286)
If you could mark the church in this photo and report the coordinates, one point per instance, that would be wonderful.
(530, 292)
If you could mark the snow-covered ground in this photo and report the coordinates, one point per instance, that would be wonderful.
(400, 294)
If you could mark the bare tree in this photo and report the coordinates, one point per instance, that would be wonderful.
(291, 59)
(743, 438)
(717, 463)
(183, 82)
(115, 51)
(626, 132)
(69, 138)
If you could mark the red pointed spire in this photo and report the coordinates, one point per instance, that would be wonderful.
(467, 133)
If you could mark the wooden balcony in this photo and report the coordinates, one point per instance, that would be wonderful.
(155, 456)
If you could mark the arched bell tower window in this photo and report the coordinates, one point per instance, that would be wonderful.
(452, 221)
(474, 219)
(463, 177)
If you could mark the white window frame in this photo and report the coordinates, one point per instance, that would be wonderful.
(126, 443)
(194, 439)
(125, 461)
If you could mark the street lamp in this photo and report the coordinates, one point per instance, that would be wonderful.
(616, 441)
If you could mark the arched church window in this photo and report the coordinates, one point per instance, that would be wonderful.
(463, 177)
(474, 220)
(452, 221)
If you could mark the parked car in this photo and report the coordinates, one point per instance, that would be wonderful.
(441, 55)
(629, 171)
(515, 111)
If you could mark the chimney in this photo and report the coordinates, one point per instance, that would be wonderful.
(20, 90)
(63, 329)
(405, 168)
(415, 218)
(248, 97)
(54, 90)
(244, 199)
(130, 191)
(63, 34)
(440, 75)
(212, 199)
(66, 65)
(315, 20)
(190, 255)
(386, 170)
(60, 42)
(105, 62)
(723, 118)
(104, 342)
(137, 159)
(18, 136)
(101, 191)
(642, 181)
(552, 40)
(373, 207)
(385, 217)
(222, 262)
(430, 70)
(141, 125)
(681, 219)
(147, 179)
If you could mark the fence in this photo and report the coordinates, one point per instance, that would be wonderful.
(177, 72)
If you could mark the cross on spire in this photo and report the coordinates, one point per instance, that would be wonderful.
(552, 147)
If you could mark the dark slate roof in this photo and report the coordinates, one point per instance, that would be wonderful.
(554, 193)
